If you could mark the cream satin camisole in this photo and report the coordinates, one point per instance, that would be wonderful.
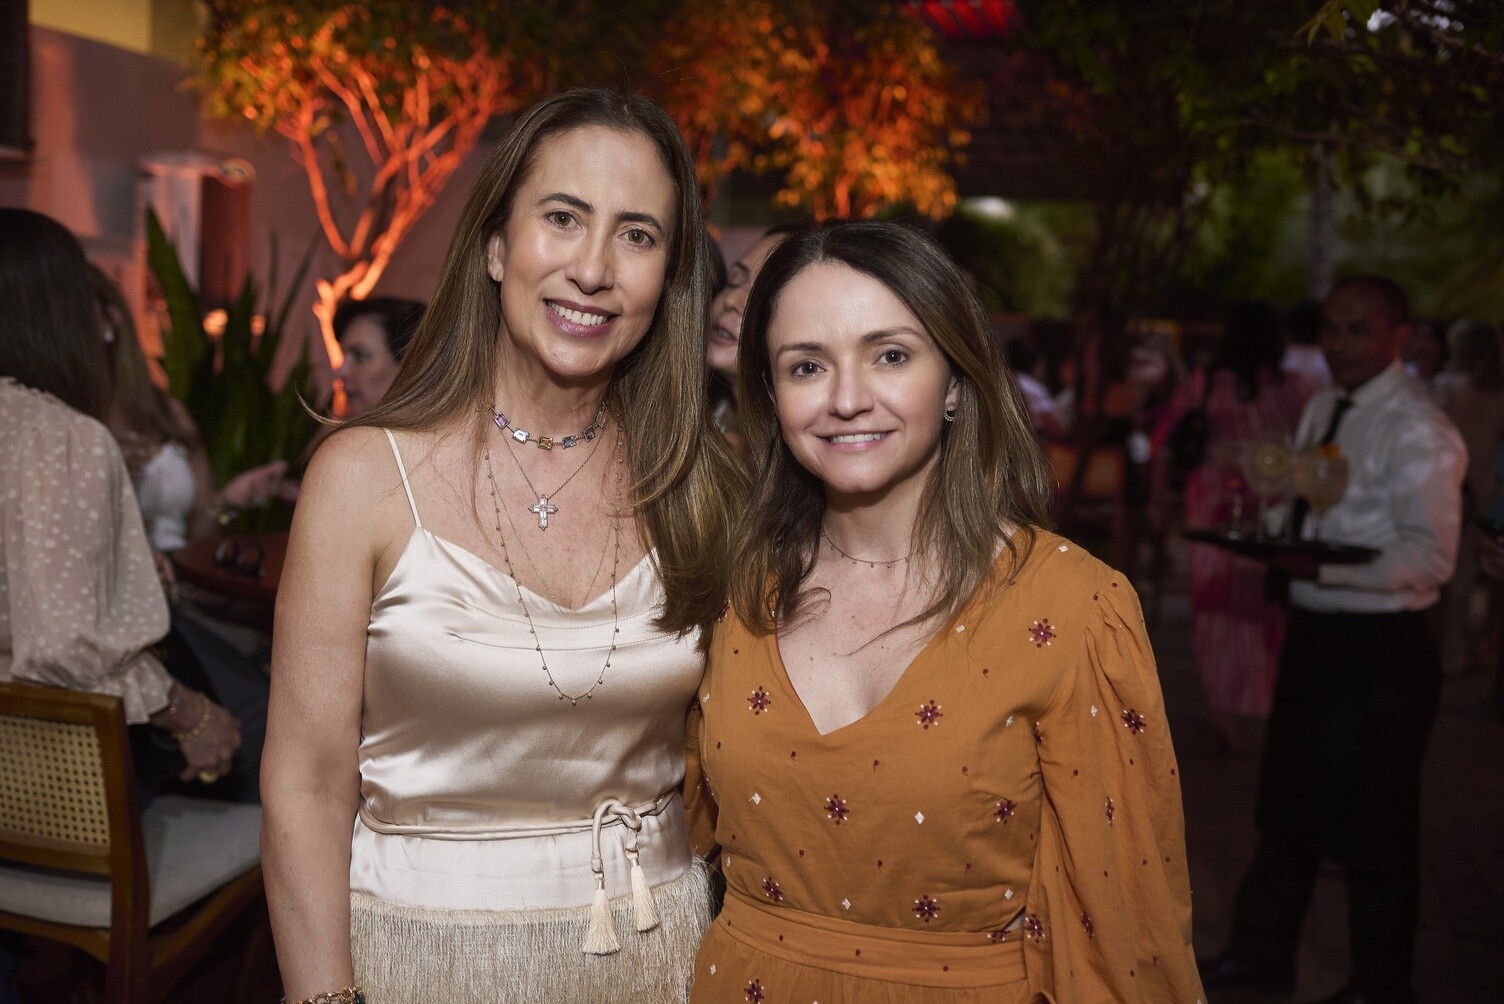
(479, 788)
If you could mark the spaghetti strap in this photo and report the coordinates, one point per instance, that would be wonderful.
(403, 471)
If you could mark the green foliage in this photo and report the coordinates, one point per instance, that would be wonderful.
(1021, 265)
(1252, 242)
(225, 381)
(1412, 81)
(1175, 104)
(1446, 251)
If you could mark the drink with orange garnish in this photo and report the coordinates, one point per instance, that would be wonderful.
(1320, 477)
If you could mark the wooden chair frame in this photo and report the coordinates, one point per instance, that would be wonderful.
(140, 965)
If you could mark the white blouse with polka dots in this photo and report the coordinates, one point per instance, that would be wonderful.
(79, 596)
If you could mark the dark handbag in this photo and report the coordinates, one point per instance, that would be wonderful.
(1186, 446)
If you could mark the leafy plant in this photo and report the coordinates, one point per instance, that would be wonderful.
(225, 381)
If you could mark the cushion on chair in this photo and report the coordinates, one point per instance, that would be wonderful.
(193, 846)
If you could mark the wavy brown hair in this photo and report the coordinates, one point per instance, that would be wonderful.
(991, 486)
(684, 477)
(52, 339)
(139, 404)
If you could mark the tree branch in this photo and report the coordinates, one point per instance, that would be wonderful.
(373, 101)
(1336, 139)
(352, 103)
(301, 135)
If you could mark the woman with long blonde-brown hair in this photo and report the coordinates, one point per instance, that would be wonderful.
(487, 633)
(932, 730)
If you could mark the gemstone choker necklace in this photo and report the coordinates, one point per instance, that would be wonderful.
(547, 442)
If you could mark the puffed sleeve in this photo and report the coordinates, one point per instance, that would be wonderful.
(699, 803)
(84, 599)
(1110, 900)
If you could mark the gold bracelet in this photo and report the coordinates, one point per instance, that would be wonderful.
(203, 723)
(349, 995)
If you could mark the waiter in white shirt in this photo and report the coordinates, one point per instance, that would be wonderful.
(1360, 676)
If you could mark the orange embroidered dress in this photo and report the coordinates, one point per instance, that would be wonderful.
(1004, 826)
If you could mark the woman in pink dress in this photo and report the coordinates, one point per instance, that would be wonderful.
(1235, 631)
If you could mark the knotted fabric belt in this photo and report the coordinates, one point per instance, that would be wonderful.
(601, 937)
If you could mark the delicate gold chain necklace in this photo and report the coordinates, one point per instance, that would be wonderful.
(862, 561)
(506, 556)
(545, 508)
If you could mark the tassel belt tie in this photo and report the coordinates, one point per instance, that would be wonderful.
(601, 938)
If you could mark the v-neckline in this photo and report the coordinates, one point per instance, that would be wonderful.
(782, 671)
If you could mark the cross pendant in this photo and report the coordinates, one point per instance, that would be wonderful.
(544, 509)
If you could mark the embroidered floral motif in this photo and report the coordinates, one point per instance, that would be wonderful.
(1111, 810)
(772, 890)
(1041, 633)
(1038, 735)
(928, 714)
(999, 936)
(835, 808)
(1133, 721)
(1087, 925)
(926, 908)
(759, 701)
(1033, 928)
(1005, 810)
(754, 992)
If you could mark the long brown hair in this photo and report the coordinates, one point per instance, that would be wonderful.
(991, 484)
(52, 339)
(139, 404)
(684, 477)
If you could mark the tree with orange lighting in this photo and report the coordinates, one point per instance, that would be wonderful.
(415, 82)
(855, 108)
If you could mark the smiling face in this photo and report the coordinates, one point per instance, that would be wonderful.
(369, 367)
(859, 386)
(583, 257)
(727, 307)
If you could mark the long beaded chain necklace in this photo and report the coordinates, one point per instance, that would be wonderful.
(506, 556)
(862, 561)
(544, 507)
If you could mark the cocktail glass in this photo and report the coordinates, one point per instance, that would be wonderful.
(1320, 477)
(1266, 469)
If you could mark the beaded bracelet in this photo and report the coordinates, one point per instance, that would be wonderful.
(203, 723)
(349, 995)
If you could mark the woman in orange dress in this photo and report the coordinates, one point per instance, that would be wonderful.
(935, 761)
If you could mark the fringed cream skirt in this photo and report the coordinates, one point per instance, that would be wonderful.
(406, 955)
